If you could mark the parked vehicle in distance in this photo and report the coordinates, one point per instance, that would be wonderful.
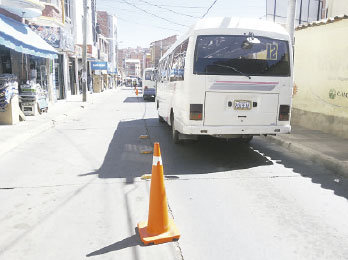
(228, 78)
(128, 82)
(149, 83)
(131, 82)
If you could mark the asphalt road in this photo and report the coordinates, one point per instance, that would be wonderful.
(74, 192)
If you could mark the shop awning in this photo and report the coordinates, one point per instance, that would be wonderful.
(21, 38)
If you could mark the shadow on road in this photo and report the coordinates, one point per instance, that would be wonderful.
(124, 158)
(317, 173)
(131, 241)
(138, 99)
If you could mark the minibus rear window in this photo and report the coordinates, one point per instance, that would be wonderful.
(247, 55)
(149, 75)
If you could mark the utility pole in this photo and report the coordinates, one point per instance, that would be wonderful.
(318, 15)
(300, 16)
(290, 24)
(275, 10)
(84, 53)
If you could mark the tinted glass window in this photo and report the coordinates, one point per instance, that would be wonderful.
(149, 75)
(241, 55)
(178, 63)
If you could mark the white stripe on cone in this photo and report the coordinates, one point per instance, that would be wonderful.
(157, 159)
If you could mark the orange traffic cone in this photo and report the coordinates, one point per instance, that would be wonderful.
(136, 91)
(159, 228)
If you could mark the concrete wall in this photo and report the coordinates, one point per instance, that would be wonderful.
(337, 7)
(321, 77)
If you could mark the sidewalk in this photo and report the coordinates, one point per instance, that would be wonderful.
(329, 150)
(13, 135)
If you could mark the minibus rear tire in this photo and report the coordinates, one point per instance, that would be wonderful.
(175, 133)
(160, 119)
(246, 140)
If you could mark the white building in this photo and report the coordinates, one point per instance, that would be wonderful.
(132, 67)
(91, 24)
(113, 42)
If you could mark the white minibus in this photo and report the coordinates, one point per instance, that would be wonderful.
(149, 83)
(229, 78)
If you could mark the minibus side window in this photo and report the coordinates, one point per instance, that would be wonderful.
(178, 64)
(175, 64)
(184, 46)
(167, 67)
(160, 72)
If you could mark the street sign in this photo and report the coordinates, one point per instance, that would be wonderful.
(99, 65)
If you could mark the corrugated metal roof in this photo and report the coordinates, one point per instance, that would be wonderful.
(322, 22)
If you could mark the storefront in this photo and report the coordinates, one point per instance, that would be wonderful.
(100, 76)
(62, 40)
(25, 56)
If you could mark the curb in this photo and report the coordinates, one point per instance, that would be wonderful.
(328, 162)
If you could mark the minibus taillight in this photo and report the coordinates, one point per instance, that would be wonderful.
(196, 111)
(284, 113)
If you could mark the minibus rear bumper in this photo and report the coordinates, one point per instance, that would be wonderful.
(234, 130)
(149, 92)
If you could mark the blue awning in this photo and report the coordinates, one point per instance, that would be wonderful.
(21, 38)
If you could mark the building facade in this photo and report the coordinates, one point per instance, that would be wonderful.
(306, 11)
(26, 62)
(132, 67)
(137, 53)
(107, 28)
(158, 48)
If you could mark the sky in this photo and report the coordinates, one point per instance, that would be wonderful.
(141, 22)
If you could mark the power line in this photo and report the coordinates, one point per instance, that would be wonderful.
(176, 6)
(125, 20)
(188, 7)
(155, 15)
(209, 8)
(170, 10)
(133, 22)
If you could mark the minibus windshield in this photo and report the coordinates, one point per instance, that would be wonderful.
(241, 55)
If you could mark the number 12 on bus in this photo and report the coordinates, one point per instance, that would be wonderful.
(228, 78)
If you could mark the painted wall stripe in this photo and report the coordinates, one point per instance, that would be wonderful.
(248, 82)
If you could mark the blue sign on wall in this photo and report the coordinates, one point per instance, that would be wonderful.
(99, 65)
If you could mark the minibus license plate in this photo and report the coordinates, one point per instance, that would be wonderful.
(242, 105)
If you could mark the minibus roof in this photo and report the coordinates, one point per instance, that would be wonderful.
(238, 23)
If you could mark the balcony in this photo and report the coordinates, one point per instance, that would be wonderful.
(34, 4)
(23, 8)
(51, 16)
